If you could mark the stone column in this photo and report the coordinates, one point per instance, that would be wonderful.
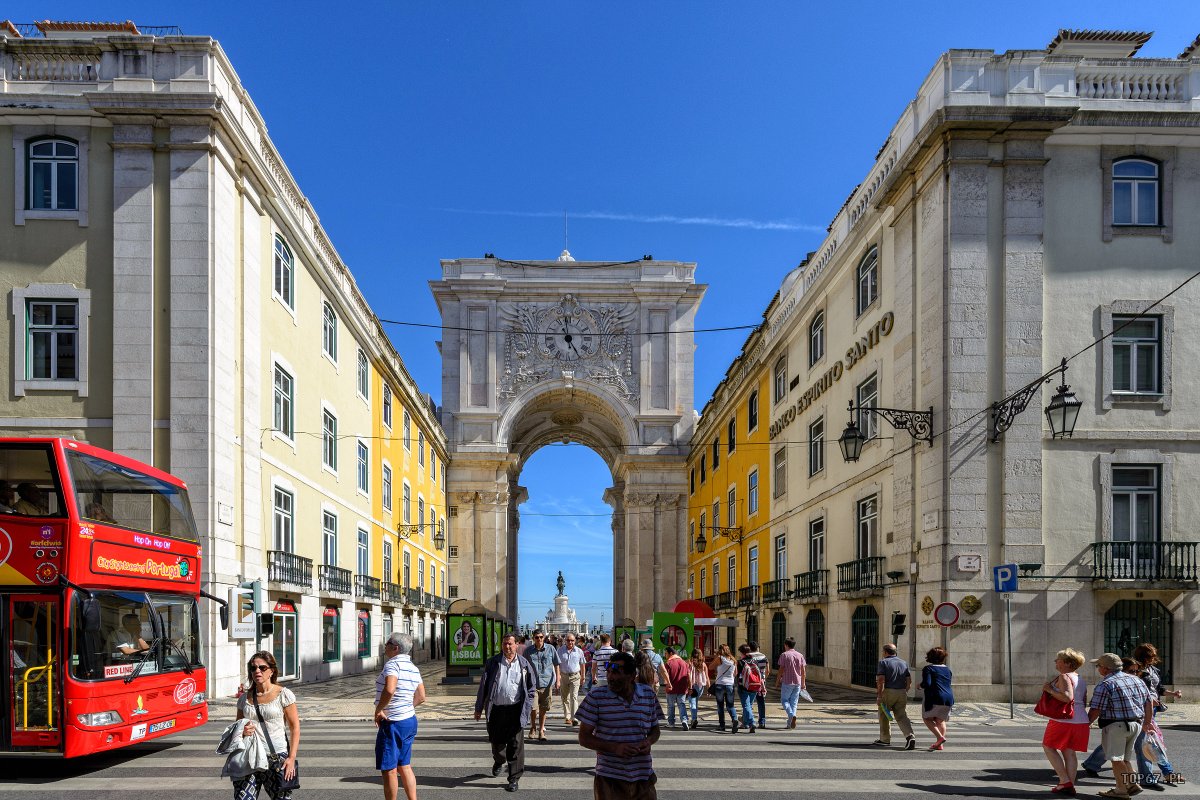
(614, 497)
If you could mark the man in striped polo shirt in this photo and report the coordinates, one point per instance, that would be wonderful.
(620, 722)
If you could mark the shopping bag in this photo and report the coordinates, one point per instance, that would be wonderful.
(1153, 748)
(804, 695)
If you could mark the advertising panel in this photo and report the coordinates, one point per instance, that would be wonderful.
(674, 630)
(144, 563)
(467, 640)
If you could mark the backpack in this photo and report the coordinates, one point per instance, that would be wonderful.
(751, 677)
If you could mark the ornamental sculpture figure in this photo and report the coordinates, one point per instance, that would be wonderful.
(562, 585)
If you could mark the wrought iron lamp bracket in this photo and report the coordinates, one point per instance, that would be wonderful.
(919, 424)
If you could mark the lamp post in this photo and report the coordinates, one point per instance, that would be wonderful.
(918, 424)
(1062, 411)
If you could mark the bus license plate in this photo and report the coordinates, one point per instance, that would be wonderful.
(161, 726)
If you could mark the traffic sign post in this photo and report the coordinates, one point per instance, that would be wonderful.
(946, 614)
(1004, 578)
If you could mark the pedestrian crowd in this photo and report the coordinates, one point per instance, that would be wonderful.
(620, 714)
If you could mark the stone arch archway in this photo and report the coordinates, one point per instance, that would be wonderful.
(593, 353)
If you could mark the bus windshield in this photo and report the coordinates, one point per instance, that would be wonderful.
(112, 494)
(140, 633)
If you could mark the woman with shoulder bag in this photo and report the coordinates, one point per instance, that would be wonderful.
(1064, 738)
(699, 674)
(271, 713)
(1146, 657)
(725, 670)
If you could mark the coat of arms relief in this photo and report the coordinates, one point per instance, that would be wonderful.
(568, 339)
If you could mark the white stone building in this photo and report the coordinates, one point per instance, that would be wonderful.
(1025, 205)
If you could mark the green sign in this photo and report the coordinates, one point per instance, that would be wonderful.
(466, 640)
(621, 634)
(674, 630)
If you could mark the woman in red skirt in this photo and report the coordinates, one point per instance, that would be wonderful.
(1066, 737)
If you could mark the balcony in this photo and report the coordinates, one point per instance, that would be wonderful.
(863, 576)
(290, 569)
(413, 597)
(440, 603)
(333, 579)
(748, 596)
(726, 599)
(366, 587)
(391, 593)
(1147, 562)
(777, 591)
(709, 600)
(812, 585)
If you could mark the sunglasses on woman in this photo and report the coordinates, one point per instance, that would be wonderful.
(259, 667)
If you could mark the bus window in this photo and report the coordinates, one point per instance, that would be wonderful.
(180, 623)
(125, 639)
(29, 482)
(110, 493)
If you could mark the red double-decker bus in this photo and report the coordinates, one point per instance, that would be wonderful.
(99, 583)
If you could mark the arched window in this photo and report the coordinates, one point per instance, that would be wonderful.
(816, 338)
(814, 638)
(867, 285)
(284, 273)
(1136, 192)
(329, 332)
(52, 175)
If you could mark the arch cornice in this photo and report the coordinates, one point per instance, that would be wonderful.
(612, 409)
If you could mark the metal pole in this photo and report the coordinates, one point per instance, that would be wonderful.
(1008, 632)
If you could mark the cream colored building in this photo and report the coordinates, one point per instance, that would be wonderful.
(1024, 204)
(174, 297)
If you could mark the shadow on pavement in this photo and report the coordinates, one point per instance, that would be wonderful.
(965, 791)
(37, 771)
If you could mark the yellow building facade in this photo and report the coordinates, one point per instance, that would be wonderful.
(731, 547)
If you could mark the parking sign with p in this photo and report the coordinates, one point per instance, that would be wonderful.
(1005, 577)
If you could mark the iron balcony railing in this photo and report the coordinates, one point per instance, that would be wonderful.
(727, 599)
(391, 592)
(812, 584)
(334, 579)
(289, 568)
(777, 591)
(863, 575)
(709, 600)
(414, 597)
(366, 587)
(748, 596)
(1145, 561)
(440, 603)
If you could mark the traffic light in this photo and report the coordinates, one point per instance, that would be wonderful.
(898, 624)
(256, 597)
(266, 625)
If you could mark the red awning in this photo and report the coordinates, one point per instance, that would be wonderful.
(697, 608)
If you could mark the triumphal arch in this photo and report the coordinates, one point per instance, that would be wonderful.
(595, 353)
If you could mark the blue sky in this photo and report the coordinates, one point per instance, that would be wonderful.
(728, 134)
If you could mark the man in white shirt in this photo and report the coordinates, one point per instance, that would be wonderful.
(507, 690)
(600, 661)
(399, 689)
(571, 661)
(127, 640)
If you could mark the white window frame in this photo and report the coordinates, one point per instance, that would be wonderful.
(779, 471)
(868, 424)
(289, 434)
(420, 514)
(406, 567)
(1110, 319)
(329, 331)
(281, 518)
(387, 406)
(716, 576)
(388, 564)
(731, 434)
(34, 292)
(363, 377)
(1137, 186)
(731, 572)
(1136, 458)
(704, 583)
(752, 412)
(816, 446)
(329, 534)
(54, 332)
(407, 434)
(780, 565)
(420, 448)
(284, 264)
(752, 566)
(329, 439)
(363, 467)
(752, 493)
(731, 508)
(406, 503)
(816, 543)
(362, 554)
(386, 478)
(1136, 493)
(866, 526)
(779, 380)
(866, 281)
(816, 338)
(22, 134)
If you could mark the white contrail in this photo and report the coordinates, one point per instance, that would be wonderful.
(670, 219)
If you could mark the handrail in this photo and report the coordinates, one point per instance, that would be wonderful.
(26, 679)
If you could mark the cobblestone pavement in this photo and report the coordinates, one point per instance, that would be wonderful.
(352, 698)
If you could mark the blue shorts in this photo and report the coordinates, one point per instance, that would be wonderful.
(393, 743)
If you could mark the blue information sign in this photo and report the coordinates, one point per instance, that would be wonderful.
(1004, 577)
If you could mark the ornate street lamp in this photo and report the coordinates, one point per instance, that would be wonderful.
(439, 538)
(1061, 413)
(919, 425)
(734, 535)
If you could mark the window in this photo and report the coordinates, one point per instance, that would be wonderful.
(406, 505)
(1135, 192)
(868, 397)
(716, 573)
(331, 633)
(407, 568)
(691, 535)
(329, 332)
(387, 561)
(703, 522)
(140, 501)
(867, 525)
(816, 446)
(1135, 503)
(52, 172)
(364, 376)
(752, 560)
(443, 475)
(432, 463)
(816, 338)
(867, 286)
(329, 538)
(387, 487)
(814, 638)
(407, 431)
(364, 469)
(752, 493)
(703, 583)
(732, 435)
(780, 379)
(716, 450)
(816, 544)
(284, 402)
(731, 509)
(53, 340)
(364, 633)
(362, 559)
(151, 616)
(420, 514)
(731, 572)
(329, 440)
(716, 513)
(692, 481)
(703, 468)
(752, 413)
(691, 584)
(780, 556)
(421, 573)
(780, 471)
(283, 527)
(284, 273)
(387, 406)
(421, 448)
(1136, 348)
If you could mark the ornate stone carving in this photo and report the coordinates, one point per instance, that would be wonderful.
(568, 339)
(637, 499)
(566, 418)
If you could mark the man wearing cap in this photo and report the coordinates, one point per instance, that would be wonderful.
(1121, 705)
